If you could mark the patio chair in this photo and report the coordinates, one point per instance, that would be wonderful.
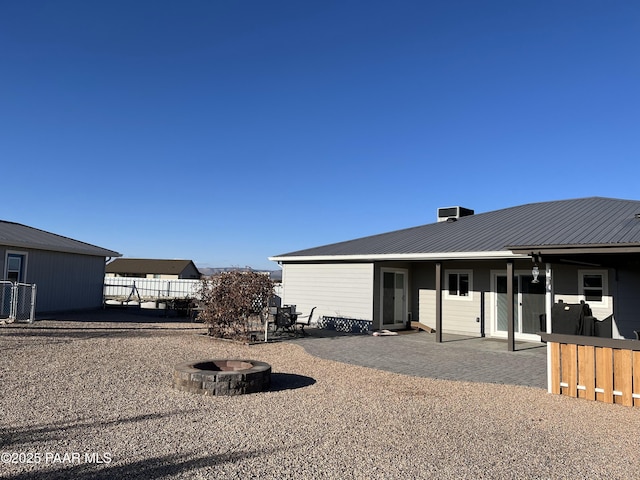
(304, 321)
(283, 322)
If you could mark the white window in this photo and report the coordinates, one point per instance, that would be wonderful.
(458, 284)
(15, 266)
(593, 287)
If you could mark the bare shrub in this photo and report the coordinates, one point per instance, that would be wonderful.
(234, 303)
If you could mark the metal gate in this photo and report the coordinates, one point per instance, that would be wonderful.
(17, 301)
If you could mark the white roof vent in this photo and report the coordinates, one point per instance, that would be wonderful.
(451, 214)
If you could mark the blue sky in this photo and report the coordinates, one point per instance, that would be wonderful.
(230, 131)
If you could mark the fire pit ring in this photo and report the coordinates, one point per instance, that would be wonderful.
(222, 377)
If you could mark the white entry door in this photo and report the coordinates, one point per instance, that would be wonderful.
(529, 305)
(393, 297)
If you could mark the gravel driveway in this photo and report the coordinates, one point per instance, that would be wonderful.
(93, 400)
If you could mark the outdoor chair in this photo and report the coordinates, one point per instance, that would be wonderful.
(304, 321)
(285, 320)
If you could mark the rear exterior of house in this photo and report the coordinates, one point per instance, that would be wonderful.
(458, 273)
(69, 274)
(389, 295)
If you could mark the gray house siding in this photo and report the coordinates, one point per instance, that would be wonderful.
(475, 315)
(66, 281)
(336, 290)
(424, 278)
(3, 256)
(68, 273)
(462, 316)
(626, 309)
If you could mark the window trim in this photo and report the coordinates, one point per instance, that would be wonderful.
(23, 266)
(457, 296)
(605, 287)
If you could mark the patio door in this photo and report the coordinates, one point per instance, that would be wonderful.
(529, 304)
(393, 297)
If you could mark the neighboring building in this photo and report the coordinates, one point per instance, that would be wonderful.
(149, 268)
(69, 274)
(454, 275)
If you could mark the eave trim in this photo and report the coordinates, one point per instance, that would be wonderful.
(502, 254)
(92, 252)
(576, 249)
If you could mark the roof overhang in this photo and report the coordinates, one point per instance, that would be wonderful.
(576, 249)
(434, 257)
(90, 250)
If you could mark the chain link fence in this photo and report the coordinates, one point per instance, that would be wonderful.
(17, 301)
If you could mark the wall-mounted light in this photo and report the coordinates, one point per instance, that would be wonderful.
(535, 271)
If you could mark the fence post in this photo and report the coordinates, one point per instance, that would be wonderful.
(32, 313)
(13, 309)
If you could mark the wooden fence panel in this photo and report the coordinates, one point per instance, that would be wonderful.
(569, 365)
(587, 372)
(605, 370)
(604, 374)
(622, 376)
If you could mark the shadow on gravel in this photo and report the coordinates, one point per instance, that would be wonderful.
(90, 331)
(289, 381)
(20, 437)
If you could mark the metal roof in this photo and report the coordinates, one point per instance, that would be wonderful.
(17, 235)
(148, 266)
(593, 221)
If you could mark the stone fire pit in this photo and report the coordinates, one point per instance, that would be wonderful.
(222, 377)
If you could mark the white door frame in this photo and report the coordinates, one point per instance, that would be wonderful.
(404, 305)
(494, 332)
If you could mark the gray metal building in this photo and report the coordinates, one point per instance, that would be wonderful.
(69, 274)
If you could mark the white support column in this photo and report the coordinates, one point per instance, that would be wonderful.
(547, 309)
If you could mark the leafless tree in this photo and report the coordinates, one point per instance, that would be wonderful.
(233, 303)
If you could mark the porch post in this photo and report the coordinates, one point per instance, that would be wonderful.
(510, 308)
(548, 303)
(439, 302)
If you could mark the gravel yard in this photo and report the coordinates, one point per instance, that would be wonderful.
(93, 400)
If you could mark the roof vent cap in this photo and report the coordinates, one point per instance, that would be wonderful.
(450, 214)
